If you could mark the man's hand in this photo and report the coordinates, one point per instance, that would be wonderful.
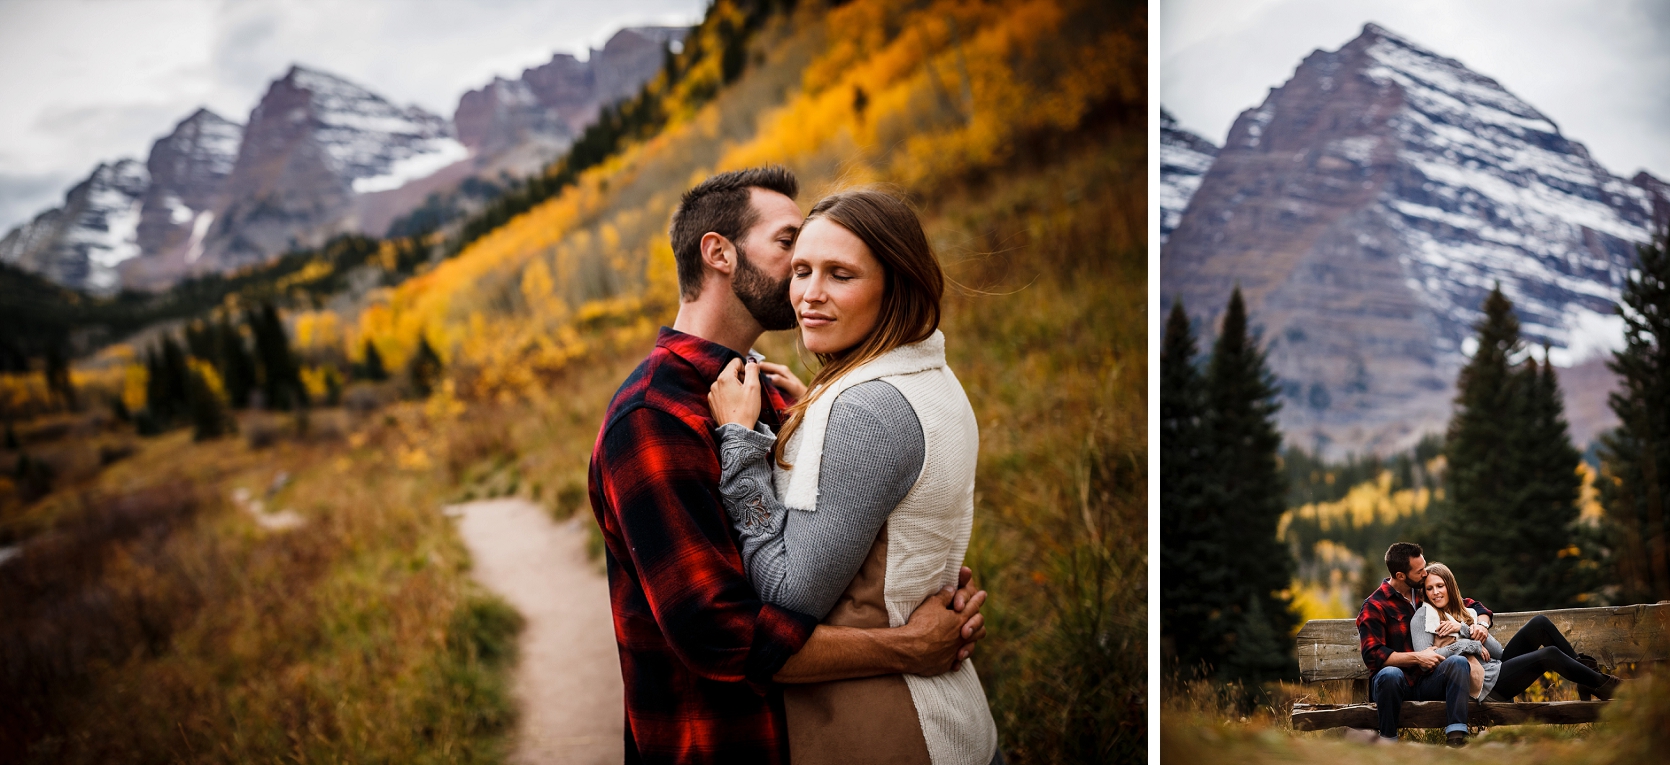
(1447, 627)
(940, 635)
(784, 379)
(1479, 633)
(1428, 658)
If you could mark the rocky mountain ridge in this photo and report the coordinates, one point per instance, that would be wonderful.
(1184, 159)
(1367, 206)
(319, 156)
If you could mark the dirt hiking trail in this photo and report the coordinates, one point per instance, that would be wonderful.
(567, 682)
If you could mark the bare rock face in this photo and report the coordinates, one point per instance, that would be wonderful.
(1184, 159)
(312, 144)
(80, 244)
(189, 168)
(1368, 206)
(538, 115)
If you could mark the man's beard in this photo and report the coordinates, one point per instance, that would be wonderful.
(766, 300)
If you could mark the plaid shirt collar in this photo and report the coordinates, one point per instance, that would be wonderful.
(708, 357)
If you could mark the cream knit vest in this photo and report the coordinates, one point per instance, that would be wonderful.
(927, 534)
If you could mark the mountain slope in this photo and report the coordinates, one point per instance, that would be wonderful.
(189, 168)
(312, 144)
(81, 243)
(1184, 159)
(1366, 208)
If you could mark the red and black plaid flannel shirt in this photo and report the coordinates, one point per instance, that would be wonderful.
(1383, 627)
(698, 647)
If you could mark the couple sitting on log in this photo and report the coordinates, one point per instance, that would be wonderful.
(1424, 642)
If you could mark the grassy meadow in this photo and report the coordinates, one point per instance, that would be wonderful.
(157, 611)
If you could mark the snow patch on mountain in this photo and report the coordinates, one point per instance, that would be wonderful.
(1184, 159)
(437, 153)
(369, 141)
(1493, 193)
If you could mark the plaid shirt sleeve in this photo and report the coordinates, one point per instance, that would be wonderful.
(1478, 608)
(677, 536)
(1371, 634)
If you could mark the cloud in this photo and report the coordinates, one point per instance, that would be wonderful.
(23, 196)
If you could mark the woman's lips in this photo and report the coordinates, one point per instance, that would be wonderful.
(814, 320)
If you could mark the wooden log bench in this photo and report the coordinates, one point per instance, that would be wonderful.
(1331, 660)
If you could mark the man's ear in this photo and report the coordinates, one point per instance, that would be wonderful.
(718, 253)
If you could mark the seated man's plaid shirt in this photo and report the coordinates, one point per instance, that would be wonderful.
(698, 647)
(1383, 627)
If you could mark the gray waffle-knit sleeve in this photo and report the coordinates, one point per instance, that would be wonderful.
(872, 454)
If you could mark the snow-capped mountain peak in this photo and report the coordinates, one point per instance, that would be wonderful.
(1366, 208)
(368, 140)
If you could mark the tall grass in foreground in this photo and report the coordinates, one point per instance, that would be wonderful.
(1207, 722)
(152, 621)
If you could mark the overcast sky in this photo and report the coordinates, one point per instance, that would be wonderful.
(84, 81)
(1600, 70)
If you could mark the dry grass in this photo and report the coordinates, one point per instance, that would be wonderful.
(1206, 722)
(184, 632)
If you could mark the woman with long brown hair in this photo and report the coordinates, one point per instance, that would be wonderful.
(862, 506)
(1500, 674)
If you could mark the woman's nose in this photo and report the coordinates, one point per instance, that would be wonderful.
(814, 290)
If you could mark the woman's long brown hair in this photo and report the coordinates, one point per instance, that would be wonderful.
(911, 292)
(1453, 606)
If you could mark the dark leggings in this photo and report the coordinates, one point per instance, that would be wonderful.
(1536, 648)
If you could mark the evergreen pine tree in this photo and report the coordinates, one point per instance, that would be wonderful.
(424, 368)
(333, 386)
(156, 385)
(1241, 404)
(1544, 524)
(1187, 555)
(200, 341)
(1637, 453)
(167, 397)
(237, 367)
(280, 376)
(1231, 572)
(58, 376)
(209, 415)
(374, 369)
(1512, 483)
(1482, 474)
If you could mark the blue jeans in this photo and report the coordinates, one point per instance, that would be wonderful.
(1446, 682)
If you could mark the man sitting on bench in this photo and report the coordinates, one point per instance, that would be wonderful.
(1400, 672)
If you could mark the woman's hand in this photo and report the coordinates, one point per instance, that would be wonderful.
(784, 380)
(735, 396)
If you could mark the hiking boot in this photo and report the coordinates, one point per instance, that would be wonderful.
(1455, 739)
(1604, 690)
(1586, 660)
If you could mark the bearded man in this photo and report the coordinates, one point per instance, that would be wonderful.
(701, 654)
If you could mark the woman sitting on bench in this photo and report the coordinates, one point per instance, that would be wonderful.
(1501, 674)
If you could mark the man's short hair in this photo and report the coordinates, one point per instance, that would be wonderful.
(721, 205)
(1398, 555)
